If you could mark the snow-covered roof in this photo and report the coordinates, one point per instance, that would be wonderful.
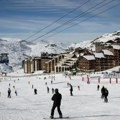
(117, 47)
(107, 52)
(89, 57)
(99, 55)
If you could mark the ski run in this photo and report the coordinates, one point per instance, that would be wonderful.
(85, 104)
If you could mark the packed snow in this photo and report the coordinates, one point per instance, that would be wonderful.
(85, 104)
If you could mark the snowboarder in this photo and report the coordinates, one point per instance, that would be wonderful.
(56, 103)
(71, 90)
(35, 91)
(9, 93)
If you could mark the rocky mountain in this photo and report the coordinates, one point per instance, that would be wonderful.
(18, 50)
(103, 39)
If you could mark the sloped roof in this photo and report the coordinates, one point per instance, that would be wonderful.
(99, 55)
(107, 52)
(117, 47)
(89, 57)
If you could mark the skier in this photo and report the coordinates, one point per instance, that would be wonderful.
(103, 92)
(106, 95)
(28, 82)
(44, 78)
(14, 87)
(47, 89)
(16, 92)
(35, 91)
(45, 83)
(32, 86)
(51, 82)
(78, 87)
(56, 103)
(71, 90)
(98, 87)
(9, 93)
(52, 90)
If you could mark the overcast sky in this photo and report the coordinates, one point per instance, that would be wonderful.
(88, 19)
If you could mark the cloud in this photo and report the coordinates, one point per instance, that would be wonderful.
(24, 17)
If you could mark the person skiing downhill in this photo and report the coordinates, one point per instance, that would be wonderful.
(106, 95)
(35, 91)
(98, 87)
(56, 103)
(9, 93)
(102, 92)
(71, 90)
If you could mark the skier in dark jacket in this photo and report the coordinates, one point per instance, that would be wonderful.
(56, 103)
(35, 91)
(98, 87)
(106, 95)
(9, 93)
(71, 90)
(103, 92)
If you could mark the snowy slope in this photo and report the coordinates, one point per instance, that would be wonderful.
(89, 43)
(48, 46)
(85, 104)
(106, 37)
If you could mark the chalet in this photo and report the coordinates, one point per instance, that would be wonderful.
(86, 62)
(100, 61)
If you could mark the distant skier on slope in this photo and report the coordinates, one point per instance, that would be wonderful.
(106, 95)
(98, 87)
(71, 90)
(35, 91)
(48, 89)
(16, 92)
(9, 93)
(103, 92)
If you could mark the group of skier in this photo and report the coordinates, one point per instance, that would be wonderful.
(104, 93)
(9, 91)
(57, 97)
